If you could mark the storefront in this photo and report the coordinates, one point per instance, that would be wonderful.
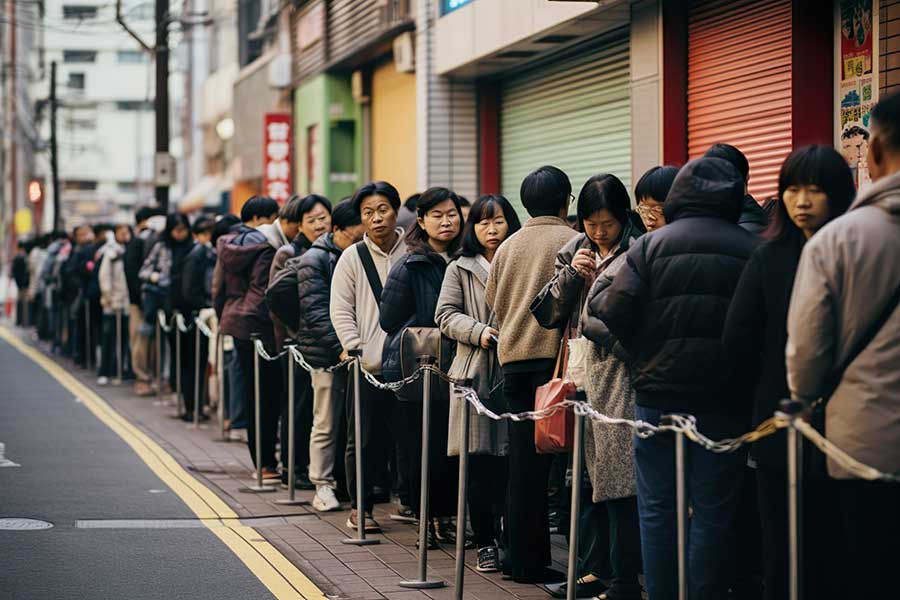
(392, 140)
(573, 111)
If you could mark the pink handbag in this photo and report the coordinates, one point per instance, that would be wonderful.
(553, 435)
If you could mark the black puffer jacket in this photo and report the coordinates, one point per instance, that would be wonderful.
(315, 337)
(196, 280)
(667, 304)
(409, 299)
(753, 216)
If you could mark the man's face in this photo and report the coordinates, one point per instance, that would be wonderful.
(84, 235)
(378, 217)
(854, 149)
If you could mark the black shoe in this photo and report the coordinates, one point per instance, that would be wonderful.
(301, 481)
(543, 575)
(488, 559)
(590, 589)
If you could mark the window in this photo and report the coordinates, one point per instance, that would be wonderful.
(134, 105)
(81, 122)
(79, 12)
(79, 185)
(130, 57)
(127, 187)
(79, 56)
(76, 81)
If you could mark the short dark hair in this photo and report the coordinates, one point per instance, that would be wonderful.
(853, 131)
(732, 155)
(343, 216)
(412, 201)
(223, 226)
(376, 188)
(485, 208)
(603, 192)
(463, 201)
(258, 206)
(144, 213)
(203, 225)
(545, 191)
(818, 165)
(655, 183)
(886, 116)
(309, 202)
(294, 209)
(417, 237)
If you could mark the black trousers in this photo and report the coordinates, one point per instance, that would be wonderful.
(486, 496)
(108, 358)
(624, 548)
(303, 417)
(871, 519)
(376, 407)
(270, 392)
(748, 572)
(189, 359)
(526, 508)
(823, 549)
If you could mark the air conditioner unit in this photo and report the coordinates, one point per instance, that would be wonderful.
(405, 53)
(280, 71)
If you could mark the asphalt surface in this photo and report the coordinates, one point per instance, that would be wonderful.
(73, 468)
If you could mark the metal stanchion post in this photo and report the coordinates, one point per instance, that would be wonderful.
(118, 380)
(259, 488)
(793, 409)
(159, 383)
(179, 400)
(292, 475)
(575, 516)
(220, 371)
(361, 539)
(681, 508)
(462, 488)
(423, 582)
(197, 387)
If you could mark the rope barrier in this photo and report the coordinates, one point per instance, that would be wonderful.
(183, 327)
(163, 324)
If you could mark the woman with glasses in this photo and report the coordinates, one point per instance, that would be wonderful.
(463, 315)
(815, 186)
(650, 193)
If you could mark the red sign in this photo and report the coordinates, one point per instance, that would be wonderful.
(277, 156)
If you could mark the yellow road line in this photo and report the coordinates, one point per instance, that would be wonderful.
(276, 572)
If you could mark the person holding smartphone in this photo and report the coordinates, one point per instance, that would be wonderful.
(463, 315)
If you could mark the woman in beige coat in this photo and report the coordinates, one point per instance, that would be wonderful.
(463, 315)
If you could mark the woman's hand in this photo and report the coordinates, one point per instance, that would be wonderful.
(154, 277)
(487, 341)
(584, 263)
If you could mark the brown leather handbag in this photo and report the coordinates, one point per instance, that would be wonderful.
(554, 434)
(423, 341)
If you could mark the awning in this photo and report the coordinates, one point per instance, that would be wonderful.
(205, 193)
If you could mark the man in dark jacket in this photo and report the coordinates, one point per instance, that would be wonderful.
(76, 274)
(753, 217)
(667, 305)
(20, 276)
(319, 344)
(143, 350)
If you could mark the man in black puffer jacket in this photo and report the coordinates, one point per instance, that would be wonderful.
(667, 305)
(319, 344)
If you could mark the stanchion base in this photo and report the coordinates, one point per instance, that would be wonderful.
(358, 542)
(116, 382)
(428, 584)
(289, 502)
(255, 489)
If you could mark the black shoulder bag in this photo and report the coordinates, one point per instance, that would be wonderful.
(365, 257)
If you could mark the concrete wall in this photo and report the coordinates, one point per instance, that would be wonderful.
(646, 87)
(889, 46)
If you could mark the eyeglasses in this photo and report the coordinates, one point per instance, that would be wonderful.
(571, 198)
(646, 211)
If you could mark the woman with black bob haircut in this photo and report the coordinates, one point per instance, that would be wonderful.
(409, 299)
(815, 186)
(464, 316)
(650, 194)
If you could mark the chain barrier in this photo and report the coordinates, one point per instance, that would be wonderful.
(166, 326)
(183, 327)
(261, 351)
(201, 325)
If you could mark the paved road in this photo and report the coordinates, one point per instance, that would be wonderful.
(74, 468)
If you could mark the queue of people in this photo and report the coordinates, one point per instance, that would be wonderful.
(698, 301)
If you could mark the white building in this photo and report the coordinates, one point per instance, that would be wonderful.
(105, 122)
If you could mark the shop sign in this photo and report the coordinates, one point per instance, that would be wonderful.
(858, 82)
(277, 156)
(448, 6)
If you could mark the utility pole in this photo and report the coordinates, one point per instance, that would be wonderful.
(54, 152)
(12, 75)
(161, 101)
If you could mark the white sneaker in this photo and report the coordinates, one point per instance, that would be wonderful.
(103, 381)
(325, 500)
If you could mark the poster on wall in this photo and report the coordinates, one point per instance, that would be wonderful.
(858, 82)
(277, 156)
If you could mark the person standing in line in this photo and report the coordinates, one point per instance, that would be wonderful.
(815, 186)
(463, 315)
(113, 300)
(142, 348)
(844, 347)
(20, 277)
(239, 297)
(409, 300)
(319, 344)
(651, 192)
(666, 306)
(527, 353)
(753, 217)
(75, 273)
(358, 280)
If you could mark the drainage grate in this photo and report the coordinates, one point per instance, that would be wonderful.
(16, 524)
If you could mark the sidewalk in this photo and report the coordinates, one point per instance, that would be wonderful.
(311, 540)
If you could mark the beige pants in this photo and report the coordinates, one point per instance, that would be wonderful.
(143, 350)
(323, 439)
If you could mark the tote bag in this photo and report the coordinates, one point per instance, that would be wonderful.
(553, 435)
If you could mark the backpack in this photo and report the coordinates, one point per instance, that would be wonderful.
(282, 298)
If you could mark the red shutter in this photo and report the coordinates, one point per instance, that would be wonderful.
(739, 83)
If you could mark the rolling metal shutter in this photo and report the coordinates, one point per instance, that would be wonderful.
(574, 114)
(739, 83)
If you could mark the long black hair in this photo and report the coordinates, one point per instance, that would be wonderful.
(817, 165)
(173, 220)
(417, 237)
(485, 208)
